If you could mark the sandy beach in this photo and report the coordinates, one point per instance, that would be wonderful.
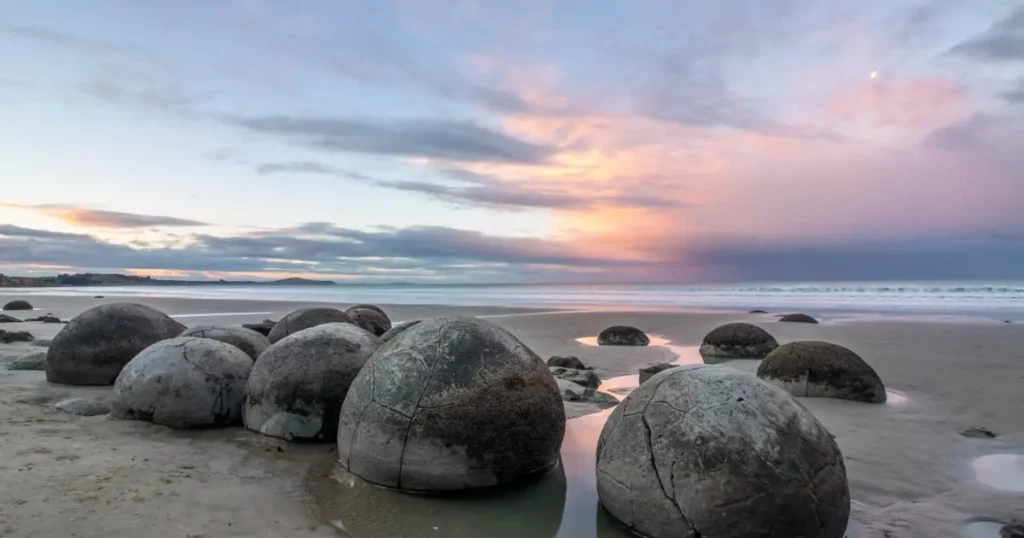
(911, 474)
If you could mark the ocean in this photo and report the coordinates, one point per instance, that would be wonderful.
(995, 300)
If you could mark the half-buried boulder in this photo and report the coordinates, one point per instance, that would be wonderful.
(305, 318)
(712, 452)
(797, 318)
(33, 360)
(372, 320)
(373, 307)
(18, 304)
(297, 386)
(398, 329)
(736, 341)
(249, 341)
(452, 404)
(822, 370)
(183, 382)
(9, 337)
(94, 347)
(567, 362)
(622, 335)
(648, 372)
(4, 318)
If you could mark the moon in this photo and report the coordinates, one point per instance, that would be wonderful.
(874, 75)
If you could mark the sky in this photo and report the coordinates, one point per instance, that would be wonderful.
(445, 141)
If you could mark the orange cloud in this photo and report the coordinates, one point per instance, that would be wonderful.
(98, 218)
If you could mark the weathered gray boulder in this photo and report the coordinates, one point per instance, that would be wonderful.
(48, 318)
(451, 404)
(648, 372)
(797, 318)
(9, 337)
(587, 378)
(84, 407)
(369, 307)
(96, 344)
(4, 318)
(736, 341)
(373, 320)
(397, 329)
(184, 382)
(305, 318)
(264, 327)
(18, 304)
(622, 335)
(758, 311)
(574, 392)
(33, 360)
(567, 362)
(712, 452)
(1012, 529)
(297, 386)
(822, 370)
(249, 341)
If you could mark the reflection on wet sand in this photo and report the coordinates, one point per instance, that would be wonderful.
(981, 529)
(1001, 471)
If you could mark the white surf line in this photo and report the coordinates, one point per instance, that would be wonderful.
(544, 313)
(219, 314)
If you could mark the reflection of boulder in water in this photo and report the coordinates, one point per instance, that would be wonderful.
(367, 511)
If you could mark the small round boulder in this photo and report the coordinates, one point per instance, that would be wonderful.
(797, 318)
(372, 320)
(452, 404)
(822, 370)
(305, 318)
(183, 382)
(712, 452)
(18, 304)
(367, 306)
(398, 329)
(96, 344)
(297, 386)
(736, 341)
(248, 340)
(622, 335)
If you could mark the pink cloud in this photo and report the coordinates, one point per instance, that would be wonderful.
(890, 101)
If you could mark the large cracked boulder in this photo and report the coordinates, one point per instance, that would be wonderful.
(707, 451)
(248, 340)
(305, 318)
(736, 341)
(398, 329)
(296, 388)
(18, 304)
(452, 404)
(822, 370)
(622, 335)
(184, 382)
(93, 347)
(370, 318)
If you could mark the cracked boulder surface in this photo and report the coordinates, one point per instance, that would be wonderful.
(736, 341)
(305, 318)
(452, 404)
(822, 370)
(18, 304)
(370, 318)
(248, 340)
(96, 344)
(297, 386)
(622, 335)
(184, 382)
(398, 329)
(797, 318)
(707, 451)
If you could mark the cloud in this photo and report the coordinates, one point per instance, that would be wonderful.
(97, 218)
(899, 102)
(970, 132)
(1003, 41)
(1016, 94)
(77, 43)
(432, 138)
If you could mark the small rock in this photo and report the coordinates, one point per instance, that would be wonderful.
(97, 297)
(797, 318)
(83, 407)
(4, 318)
(587, 378)
(18, 304)
(33, 360)
(567, 362)
(979, 432)
(1012, 529)
(48, 318)
(262, 327)
(650, 371)
(758, 312)
(574, 392)
(7, 337)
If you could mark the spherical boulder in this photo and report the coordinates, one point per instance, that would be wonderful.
(183, 382)
(297, 386)
(622, 335)
(18, 304)
(305, 318)
(93, 347)
(822, 370)
(797, 318)
(712, 452)
(372, 320)
(451, 404)
(736, 341)
(373, 307)
(248, 340)
(398, 329)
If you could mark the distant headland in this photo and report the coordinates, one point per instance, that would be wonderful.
(100, 279)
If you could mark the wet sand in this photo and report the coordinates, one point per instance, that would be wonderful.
(911, 474)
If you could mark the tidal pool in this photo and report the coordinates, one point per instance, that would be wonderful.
(981, 529)
(1001, 471)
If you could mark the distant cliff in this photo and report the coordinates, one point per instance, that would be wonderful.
(98, 279)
